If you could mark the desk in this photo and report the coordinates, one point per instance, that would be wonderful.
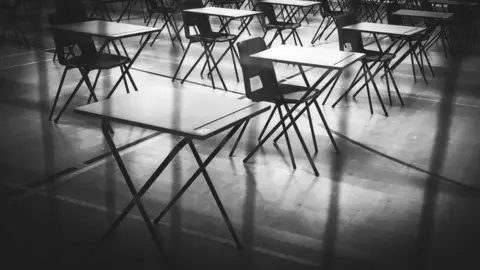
(111, 32)
(99, 4)
(391, 30)
(294, 5)
(331, 60)
(226, 15)
(453, 2)
(423, 14)
(428, 15)
(185, 113)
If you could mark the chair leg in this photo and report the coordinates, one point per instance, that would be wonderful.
(395, 85)
(238, 138)
(52, 110)
(266, 124)
(324, 121)
(94, 85)
(388, 84)
(181, 61)
(377, 92)
(234, 61)
(422, 49)
(312, 130)
(290, 151)
(331, 89)
(68, 100)
(368, 92)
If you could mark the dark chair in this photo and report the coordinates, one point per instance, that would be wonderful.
(271, 22)
(272, 91)
(204, 35)
(86, 60)
(328, 16)
(12, 22)
(103, 5)
(233, 4)
(155, 7)
(353, 39)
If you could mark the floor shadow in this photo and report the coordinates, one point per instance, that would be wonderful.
(423, 248)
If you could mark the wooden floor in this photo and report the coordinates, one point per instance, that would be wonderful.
(404, 193)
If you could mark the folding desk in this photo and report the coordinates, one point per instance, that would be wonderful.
(424, 14)
(98, 4)
(226, 15)
(427, 15)
(111, 32)
(292, 7)
(384, 29)
(331, 60)
(190, 114)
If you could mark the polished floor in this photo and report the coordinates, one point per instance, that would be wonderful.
(404, 193)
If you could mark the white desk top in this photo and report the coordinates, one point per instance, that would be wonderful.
(310, 56)
(194, 113)
(386, 29)
(452, 2)
(223, 12)
(423, 14)
(297, 3)
(105, 29)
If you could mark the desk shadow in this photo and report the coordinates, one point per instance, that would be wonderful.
(422, 251)
(328, 260)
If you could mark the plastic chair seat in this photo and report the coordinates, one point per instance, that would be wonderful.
(373, 56)
(99, 61)
(333, 13)
(291, 94)
(218, 37)
(283, 25)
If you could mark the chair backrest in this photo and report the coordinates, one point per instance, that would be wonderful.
(252, 68)
(154, 5)
(268, 12)
(63, 40)
(390, 8)
(354, 38)
(426, 5)
(325, 7)
(200, 21)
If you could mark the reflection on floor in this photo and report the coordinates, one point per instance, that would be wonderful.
(403, 193)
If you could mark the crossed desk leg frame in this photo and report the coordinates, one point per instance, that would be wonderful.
(138, 194)
(289, 116)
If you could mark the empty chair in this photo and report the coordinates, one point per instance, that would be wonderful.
(271, 22)
(417, 39)
(86, 60)
(204, 35)
(372, 58)
(272, 91)
(328, 17)
(157, 8)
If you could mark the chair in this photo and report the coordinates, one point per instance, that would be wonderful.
(397, 20)
(354, 39)
(88, 59)
(281, 95)
(204, 35)
(279, 26)
(102, 5)
(327, 14)
(233, 4)
(158, 8)
(11, 13)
